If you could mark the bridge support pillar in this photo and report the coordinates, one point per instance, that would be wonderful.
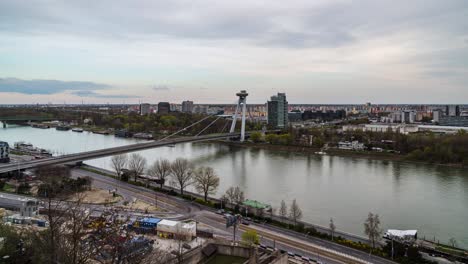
(241, 104)
(4, 124)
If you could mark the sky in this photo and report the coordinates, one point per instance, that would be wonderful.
(320, 51)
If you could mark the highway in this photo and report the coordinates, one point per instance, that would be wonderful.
(290, 241)
(94, 154)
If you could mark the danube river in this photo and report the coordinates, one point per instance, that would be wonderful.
(432, 199)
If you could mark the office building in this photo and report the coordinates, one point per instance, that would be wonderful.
(4, 152)
(144, 109)
(164, 108)
(408, 116)
(277, 111)
(187, 106)
(452, 110)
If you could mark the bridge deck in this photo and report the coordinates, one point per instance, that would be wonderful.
(110, 152)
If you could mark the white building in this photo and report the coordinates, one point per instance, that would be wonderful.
(351, 145)
(404, 128)
(144, 109)
(187, 106)
(26, 206)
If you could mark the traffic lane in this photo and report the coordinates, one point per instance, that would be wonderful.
(330, 245)
(287, 248)
(219, 222)
(127, 190)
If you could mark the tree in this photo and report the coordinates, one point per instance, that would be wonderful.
(235, 195)
(332, 228)
(453, 242)
(160, 169)
(206, 181)
(372, 228)
(182, 173)
(118, 163)
(250, 237)
(283, 210)
(137, 164)
(295, 212)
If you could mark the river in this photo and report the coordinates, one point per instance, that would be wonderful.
(432, 199)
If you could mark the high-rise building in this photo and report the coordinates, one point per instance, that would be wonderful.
(187, 106)
(164, 108)
(408, 116)
(277, 109)
(4, 152)
(452, 110)
(144, 109)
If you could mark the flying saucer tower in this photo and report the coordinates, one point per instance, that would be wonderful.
(241, 103)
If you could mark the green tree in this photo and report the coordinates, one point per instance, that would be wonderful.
(250, 237)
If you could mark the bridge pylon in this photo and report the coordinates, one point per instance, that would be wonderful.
(241, 103)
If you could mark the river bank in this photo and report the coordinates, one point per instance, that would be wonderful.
(338, 152)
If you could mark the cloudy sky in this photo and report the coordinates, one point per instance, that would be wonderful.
(318, 51)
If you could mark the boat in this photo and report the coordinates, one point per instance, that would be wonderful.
(29, 149)
(77, 129)
(62, 128)
(320, 153)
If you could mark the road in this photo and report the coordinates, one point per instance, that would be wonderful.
(289, 241)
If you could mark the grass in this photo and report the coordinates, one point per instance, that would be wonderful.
(9, 188)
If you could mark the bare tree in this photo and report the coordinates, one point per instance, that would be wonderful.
(74, 249)
(160, 169)
(235, 195)
(206, 181)
(372, 228)
(137, 164)
(453, 242)
(224, 200)
(295, 212)
(118, 163)
(283, 210)
(332, 228)
(182, 173)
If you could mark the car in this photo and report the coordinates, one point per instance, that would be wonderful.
(220, 211)
(226, 215)
(290, 254)
(245, 222)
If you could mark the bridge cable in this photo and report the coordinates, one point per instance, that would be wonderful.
(185, 128)
(203, 130)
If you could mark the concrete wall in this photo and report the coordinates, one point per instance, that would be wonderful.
(237, 251)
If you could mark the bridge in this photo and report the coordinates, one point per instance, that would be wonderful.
(82, 156)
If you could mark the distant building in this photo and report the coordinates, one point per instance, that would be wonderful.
(351, 145)
(277, 111)
(436, 115)
(26, 206)
(187, 106)
(408, 116)
(144, 109)
(460, 121)
(4, 152)
(452, 110)
(164, 108)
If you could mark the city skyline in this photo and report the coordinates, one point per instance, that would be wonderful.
(320, 53)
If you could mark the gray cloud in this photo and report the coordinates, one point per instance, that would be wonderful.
(161, 88)
(98, 95)
(329, 24)
(13, 85)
